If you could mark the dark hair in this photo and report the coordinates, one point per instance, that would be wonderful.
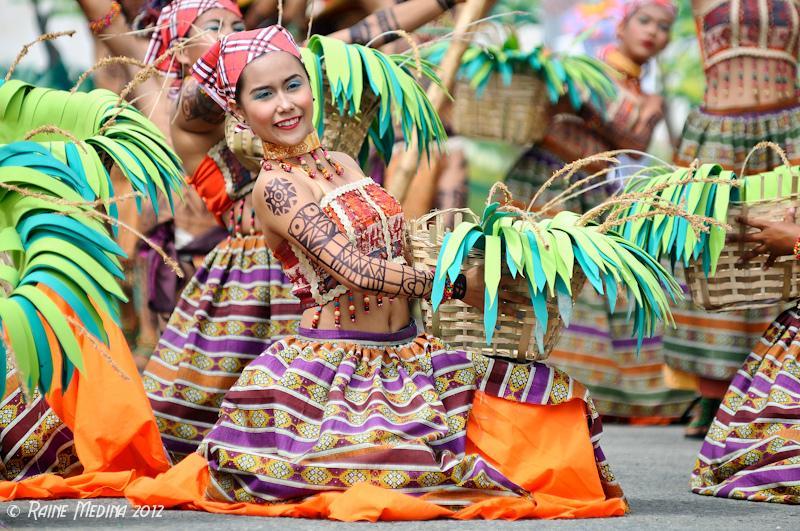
(240, 81)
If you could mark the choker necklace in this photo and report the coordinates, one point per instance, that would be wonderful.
(621, 63)
(309, 146)
(276, 152)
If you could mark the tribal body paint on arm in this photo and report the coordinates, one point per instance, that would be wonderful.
(196, 111)
(293, 213)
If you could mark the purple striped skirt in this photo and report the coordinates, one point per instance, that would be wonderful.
(752, 450)
(324, 410)
(236, 305)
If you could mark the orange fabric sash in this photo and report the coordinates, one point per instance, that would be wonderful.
(105, 407)
(545, 449)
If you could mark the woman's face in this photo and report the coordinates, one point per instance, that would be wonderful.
(207, 29)
(645, 33)
(275, 99)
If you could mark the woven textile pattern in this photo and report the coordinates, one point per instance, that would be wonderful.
(34, 440)
(752, 450)
(318, 415)
(237, 304)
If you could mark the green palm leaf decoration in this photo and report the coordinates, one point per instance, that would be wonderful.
(546, 253)
(351, 70)
(702, 194)
(104, 131)
(54, 241)
(581, 78)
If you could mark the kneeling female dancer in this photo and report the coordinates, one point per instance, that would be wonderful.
(359, 395)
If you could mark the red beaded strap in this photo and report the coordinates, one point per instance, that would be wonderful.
(796, 249)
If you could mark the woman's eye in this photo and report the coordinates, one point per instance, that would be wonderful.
(260, 95)
(644, 20)
(665, 27)
(213, 28)
(238, 26)
(293, 85)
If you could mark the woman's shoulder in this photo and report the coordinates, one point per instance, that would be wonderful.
(280, 192)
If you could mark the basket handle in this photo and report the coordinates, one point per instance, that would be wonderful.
(433, 214)
(762, 145)
(499, 185)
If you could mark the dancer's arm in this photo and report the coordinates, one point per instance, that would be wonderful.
(289, 209)
(150, 96)
(406, 16)
(196, 112)
(117, 36)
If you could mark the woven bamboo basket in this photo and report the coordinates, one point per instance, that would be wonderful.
(342, 132)
(517, 113)
(749, 286)
(460, 325)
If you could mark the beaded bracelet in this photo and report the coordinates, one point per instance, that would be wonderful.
(796, 249)
(99, 24)
(456, 289)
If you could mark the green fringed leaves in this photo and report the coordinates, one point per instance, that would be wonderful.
(545, 254)
(350, 69)
(581, 78)
(705, 193)
(130, 141)
(54, 249)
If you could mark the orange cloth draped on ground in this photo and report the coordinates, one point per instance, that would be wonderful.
(105, 407)
(535, 446)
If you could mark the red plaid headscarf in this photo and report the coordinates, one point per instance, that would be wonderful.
(174, 23)
(632, 6)
(219, 69)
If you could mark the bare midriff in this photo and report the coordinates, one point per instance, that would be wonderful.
(748, 83)
(393, 315)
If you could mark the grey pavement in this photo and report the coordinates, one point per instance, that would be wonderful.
(652, 464)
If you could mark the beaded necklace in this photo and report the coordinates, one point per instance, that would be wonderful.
(309, 146)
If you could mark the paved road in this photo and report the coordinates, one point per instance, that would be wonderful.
(652, 464)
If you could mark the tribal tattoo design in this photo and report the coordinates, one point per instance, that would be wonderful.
(280, 196)
(197, 105)
(381, 22)
(320, 236)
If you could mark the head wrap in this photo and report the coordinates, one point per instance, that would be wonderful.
(219, 69)
(174, 23)
(632, 6)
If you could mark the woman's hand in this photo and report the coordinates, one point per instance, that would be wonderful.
(775, 238)
(476, 288)
(650, 113)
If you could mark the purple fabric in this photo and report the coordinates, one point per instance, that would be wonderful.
(403, 335)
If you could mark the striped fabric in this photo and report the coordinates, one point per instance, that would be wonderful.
(598, 349)
(33, 440)
(712, 345)
(174, 23)
(219, 69)
(752, 450)
(237, 304)
(726, 139)
(325, 410)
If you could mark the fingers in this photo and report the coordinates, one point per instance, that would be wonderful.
(746, 237)
(789, 216)
(752, 253)
(757, 223)
(770, 261)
